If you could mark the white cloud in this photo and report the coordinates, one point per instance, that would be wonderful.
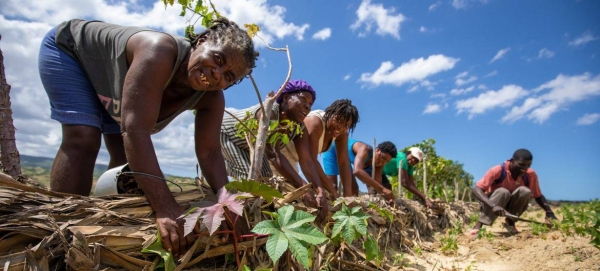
(461, 91)
(415, 70)
(463, 4)
(386, 21)
(588, 119)
(492, 73)
(427, 84)
(422, 29)
(462, 74)
(438, 95)
(545, 53)
(24, 23)
(435, 5)
(432, 108)
(482, 87)
(500, 54)
(560, 93)
(413, 89)
(583, 39)
(461, 81)
(489, 100)
(322, 34)
(346, 77)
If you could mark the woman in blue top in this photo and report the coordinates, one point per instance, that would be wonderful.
(361, 158)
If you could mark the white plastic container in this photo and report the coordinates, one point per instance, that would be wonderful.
(107, 183)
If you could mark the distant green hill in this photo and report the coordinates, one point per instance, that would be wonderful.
(38, 168)
(46, 163)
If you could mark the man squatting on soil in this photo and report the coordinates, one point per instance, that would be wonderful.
(127, 83)
(511, 194)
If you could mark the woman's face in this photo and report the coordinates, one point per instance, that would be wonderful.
(337, 126)
(211, 68)
(297, 105)
(412, 160)
(382, 158)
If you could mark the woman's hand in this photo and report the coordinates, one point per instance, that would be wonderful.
(171, 231)
(322, 206)
(499, 210)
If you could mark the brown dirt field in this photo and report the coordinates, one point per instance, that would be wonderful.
(523, 251)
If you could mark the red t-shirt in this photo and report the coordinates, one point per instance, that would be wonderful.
(487, 182)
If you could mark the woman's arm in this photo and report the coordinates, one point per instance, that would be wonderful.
(207, 124)
(310, 172)
(343, 160)
(362, 154)
(409, 184)
(313, 130)
(151, 57)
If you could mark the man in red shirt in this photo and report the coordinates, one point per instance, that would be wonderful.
(507, 189)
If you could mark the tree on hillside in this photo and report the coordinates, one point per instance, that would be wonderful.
(9, 155)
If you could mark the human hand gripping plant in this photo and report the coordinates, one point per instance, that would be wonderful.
(212, 214)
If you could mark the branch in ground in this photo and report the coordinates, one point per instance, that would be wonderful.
(11, 161)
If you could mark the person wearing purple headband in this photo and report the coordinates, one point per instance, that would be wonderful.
(293, 104)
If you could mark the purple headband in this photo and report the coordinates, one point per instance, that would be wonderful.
(295, 86)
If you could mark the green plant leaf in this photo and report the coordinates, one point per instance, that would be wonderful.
(307, 233)
(272, 214)
(298, 218)
(252, 29)
(266, 227)
(371, 248)
(285, 139)
(338, 226)
(285, 213)
(277, 245)
(351, 223)
(156, 247)
(255, 188)
(300, 252)
(383, 212)
(290, 230)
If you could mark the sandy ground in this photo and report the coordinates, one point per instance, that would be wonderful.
(523, 251)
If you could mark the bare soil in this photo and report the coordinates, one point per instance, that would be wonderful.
(503, 251)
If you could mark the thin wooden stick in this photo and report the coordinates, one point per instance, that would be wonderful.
(370, 189)
(400, 192)
(455, 189)
(425, 176)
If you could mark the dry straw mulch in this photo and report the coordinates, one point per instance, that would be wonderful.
(44, 230)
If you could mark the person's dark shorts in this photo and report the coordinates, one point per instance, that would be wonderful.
(73, 100)
(384, 180)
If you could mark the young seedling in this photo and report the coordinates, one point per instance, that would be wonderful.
(290, 230)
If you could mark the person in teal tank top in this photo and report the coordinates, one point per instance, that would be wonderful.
(125, 84)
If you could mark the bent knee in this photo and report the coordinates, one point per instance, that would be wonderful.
(81, 138)
(524, 191)
(502, 192)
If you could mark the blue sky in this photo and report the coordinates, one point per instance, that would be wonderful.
(481, 77)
